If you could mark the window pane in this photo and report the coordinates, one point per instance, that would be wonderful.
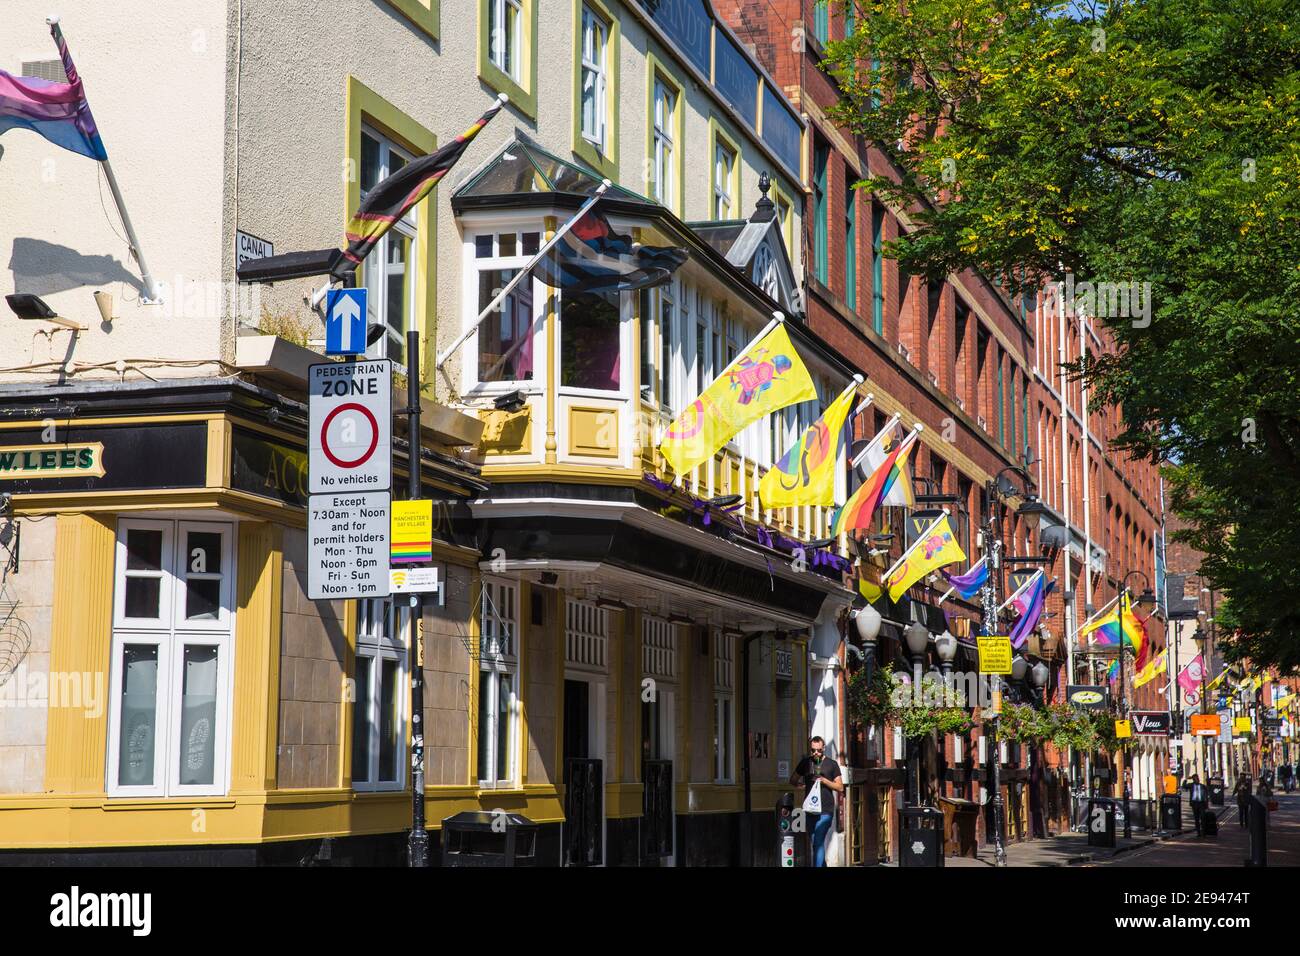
(589, 356)
(142, 597)
(505, 339)
(395, 307)
(144, 549)
(483, 247)
(202, 599)
(369, 162)
(203, 552)
(139, 715)
(389, 708)
(484, 724)
(532, 242)
(503, 727)
(361, 721)
(198, 740)
(506, 243)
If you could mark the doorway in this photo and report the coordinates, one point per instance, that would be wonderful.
(583, 774)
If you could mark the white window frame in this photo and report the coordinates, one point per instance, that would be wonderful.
(170, 633)
(666, 104)
(377, 272)
(499, 608)
(506, 41)
(594, 64)
(385, 643)
(724, 700)
(470, 306)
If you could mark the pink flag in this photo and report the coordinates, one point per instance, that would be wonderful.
(1189, 679)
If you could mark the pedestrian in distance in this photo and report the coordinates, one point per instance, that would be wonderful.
(1199, 795)
(1242, 793)
(821, 772)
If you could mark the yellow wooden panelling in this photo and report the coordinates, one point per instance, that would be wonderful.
(257, 657)
(593, 431)
(81, 638)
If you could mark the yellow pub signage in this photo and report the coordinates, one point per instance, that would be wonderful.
(52, 461)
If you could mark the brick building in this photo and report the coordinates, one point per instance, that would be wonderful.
(981, 371)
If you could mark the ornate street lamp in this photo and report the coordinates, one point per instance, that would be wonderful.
(917, 638)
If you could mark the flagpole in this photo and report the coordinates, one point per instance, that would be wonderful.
(1020, 590)
(858, 458)
(866, 402)
(1104, 608)
(948, 593)
(903, 557)
(522, 273)
(152, 295)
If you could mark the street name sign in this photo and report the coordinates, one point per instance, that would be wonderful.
(345, 322)
(350, 424)
(347, 546)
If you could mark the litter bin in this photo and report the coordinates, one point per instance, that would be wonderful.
(959, 825)
(1257, 825)
(1101, 821)
(1216, 792)
(1171, 813)
(922, 843)
(482, 838)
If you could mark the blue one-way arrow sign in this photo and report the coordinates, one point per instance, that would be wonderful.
(345, 322)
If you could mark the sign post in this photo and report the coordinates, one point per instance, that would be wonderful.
(418, 847)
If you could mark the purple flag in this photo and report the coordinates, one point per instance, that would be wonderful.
(58, 111)
(1030, 605)
(968, 584)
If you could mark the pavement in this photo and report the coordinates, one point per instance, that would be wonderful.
(1230, 847)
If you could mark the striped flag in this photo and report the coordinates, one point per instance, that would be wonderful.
(392, 198)
(57, 111)
(592, 257)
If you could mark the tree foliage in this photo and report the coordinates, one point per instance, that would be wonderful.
(1148, 141)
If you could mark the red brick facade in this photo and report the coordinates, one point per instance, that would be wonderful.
(945, 354)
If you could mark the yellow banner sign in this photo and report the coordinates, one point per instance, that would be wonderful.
(1241, 725)
(995, 654)
(412, 531)
(1123, 728)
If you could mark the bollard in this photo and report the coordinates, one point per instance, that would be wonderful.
(1257, 826)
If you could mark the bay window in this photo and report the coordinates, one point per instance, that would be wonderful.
(506, 339)
(172, 643)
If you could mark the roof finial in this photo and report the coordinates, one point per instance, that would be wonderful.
(764, 209)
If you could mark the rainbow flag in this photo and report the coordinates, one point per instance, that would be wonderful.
(805, 475)
(57, 111)
(856, 513)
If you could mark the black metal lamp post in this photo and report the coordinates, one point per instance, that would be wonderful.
(999, 487)
(1147, 601)
(917, 638)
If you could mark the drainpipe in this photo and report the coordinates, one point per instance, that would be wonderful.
(747, 823)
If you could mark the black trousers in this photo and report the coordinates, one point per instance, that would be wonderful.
(1243, 810)
(1198, 813)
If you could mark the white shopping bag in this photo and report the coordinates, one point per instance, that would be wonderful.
(813, 802)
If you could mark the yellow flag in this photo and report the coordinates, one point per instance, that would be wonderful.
(872, 592)
(1147, 674)
(937, 549)
(768, 375)
(805, 475)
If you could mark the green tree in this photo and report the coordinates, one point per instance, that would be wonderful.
(1147, 141)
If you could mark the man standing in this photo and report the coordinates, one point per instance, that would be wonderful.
(1199, 798)
(819, 768)
(1242, 793)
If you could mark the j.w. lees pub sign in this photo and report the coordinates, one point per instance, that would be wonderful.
(52, 461)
